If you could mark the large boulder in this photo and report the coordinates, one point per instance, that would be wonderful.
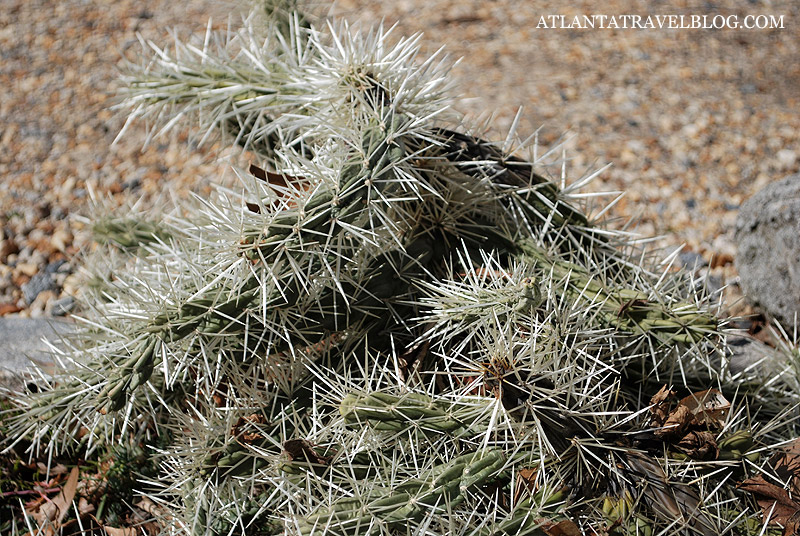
(768, 259)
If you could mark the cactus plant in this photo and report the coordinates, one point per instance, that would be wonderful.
(395, 326)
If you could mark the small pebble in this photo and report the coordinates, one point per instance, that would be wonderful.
(54, 266)
(692, 260)
(39, 283)
(39, 306)
(62, 306)
(71, 285)
(26, 268)
(7, 247)
(61, 239)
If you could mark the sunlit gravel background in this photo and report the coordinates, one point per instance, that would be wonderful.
(692, 122)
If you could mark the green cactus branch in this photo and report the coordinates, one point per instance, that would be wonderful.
(444, 488)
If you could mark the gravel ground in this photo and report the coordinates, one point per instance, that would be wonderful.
(692, 121)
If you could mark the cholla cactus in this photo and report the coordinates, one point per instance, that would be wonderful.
(395, 326)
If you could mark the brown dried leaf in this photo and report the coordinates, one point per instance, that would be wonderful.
(678, 420)
(45, 515)
(246, 430)
(670, 500)
(275, 179)
(111, 531)
(699, 445)
(58, 469)
(279, 183)
(792, 525)
(660, 405)
(412, 358)
(300, 450)
(703, 408)
(33, 505)
(151, 508)
(151, 527)
(50, 513)
(84, 507)
(257, 172)
(708, 407)
(787, 465)
(562, 528)
(64, 499)
(772, 498)
(252, 437)
(526, 483)
(631, 306)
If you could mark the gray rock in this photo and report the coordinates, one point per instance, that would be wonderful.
(22, 344)
(746, 353)
(63, 306)
(691, 260)
(55, 266)
(38, 283)
(768, 258)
